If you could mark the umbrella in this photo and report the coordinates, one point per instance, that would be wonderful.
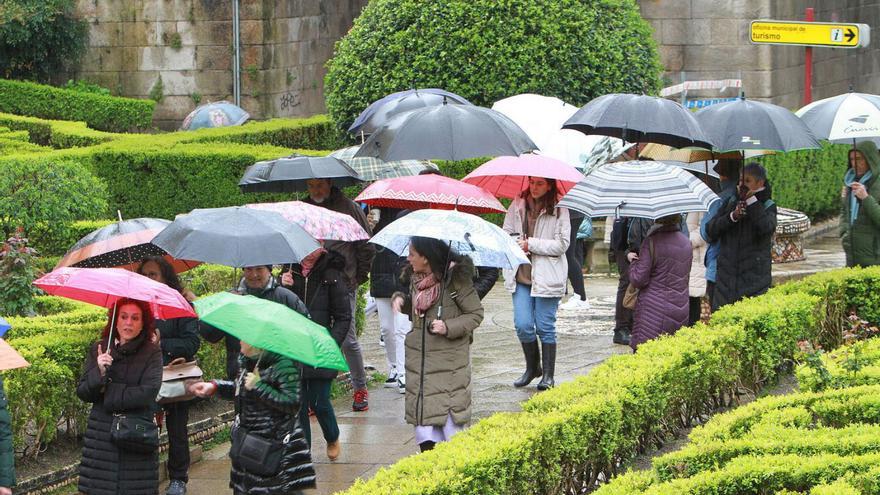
(432, 191)
(638, 189)
(484, 242)
(640, 118)
(289, 174)
(121, 244)
(217, 114)
(447, 132)
(382, 110)
(273, 327)
(105, 286)
(319, 222)
(236, 236)
(4, 326)
(844, 117)
(508, 176)
(371, 169)
(743, 125)
(10, 359)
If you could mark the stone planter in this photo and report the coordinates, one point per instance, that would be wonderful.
(788, 242)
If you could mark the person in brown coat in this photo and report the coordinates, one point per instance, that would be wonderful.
(445, 310)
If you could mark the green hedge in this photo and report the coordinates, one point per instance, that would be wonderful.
(53, 244)
(315, 133)
(809, 181)
(104, 113)
(56, 133)
(848, 366)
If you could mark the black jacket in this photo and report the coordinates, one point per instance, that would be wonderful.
(484, 279)
(326, 297)
(179, 338)
(130, 385)
(744, 263)
(385, 272)
(271, 410)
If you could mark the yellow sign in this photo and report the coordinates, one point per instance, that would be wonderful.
(827, 34)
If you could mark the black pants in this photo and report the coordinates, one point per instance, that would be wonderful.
(575, 257)
(623, 317)
(710, 291)
(696, 307)
(316, 394)
(176, 419)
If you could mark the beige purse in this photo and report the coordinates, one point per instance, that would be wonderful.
(631, 297)
(175, 379)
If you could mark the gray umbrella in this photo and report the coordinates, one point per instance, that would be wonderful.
(447, 132)
(753, 125)
(236, 236)
(382, 110)
(289, 174)
(639, 119)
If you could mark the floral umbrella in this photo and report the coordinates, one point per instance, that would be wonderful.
(321, 223)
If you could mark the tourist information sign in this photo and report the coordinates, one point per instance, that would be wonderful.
(826, 34)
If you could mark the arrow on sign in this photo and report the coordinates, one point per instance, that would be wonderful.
(850, 34)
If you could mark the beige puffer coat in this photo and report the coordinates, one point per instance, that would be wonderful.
(546, 249)
(697, 285)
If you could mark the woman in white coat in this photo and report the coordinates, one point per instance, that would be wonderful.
(697, 286)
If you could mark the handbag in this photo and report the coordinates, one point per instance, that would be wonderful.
(631, 296)
(175, 378)
(134, 433)
(255, 453)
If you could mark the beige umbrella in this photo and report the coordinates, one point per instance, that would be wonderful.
(9, 358)
(661, 152)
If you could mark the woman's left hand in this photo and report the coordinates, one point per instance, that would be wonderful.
(524, 245)
(438, 327)
(250, 381)
(859, 190)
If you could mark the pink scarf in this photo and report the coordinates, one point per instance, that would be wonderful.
(427, 291)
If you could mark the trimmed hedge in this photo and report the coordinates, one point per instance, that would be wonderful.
(53, 244)
(848, 366)
(820, 170)
(315, 133)
(104, 113)
(56, 133)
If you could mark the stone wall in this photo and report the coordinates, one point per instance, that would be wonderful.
(188, 44)
(709, 39)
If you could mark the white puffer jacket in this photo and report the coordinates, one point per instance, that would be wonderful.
(697, 285)
(547, 249)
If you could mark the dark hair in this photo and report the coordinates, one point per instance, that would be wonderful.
(547, 202)
(437, 253)
(757, 171)
(728, 167)
(168, 274)
(674, 219)
(146, 317)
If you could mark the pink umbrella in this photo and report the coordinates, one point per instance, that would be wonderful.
(508, 176)
(429, 191)
(320, 223)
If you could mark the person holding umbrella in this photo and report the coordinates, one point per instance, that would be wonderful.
(445, 310)
(860, 211)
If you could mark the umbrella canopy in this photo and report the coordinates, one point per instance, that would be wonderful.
(320, 223)
(4, 326)
(664, 153)
(382, 110)
(10, 359)
(753, 125)
(484, 242)
(105, 286)
(508, 176)
(640, 118)
(447, 132)
(639, 189)
(290, 174)
(121, 245)
(844, 117)
(371, 169)
(236, 236)
(217, 114)
(432, 191)
(273, 327)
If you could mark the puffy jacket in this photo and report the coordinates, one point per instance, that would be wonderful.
(130, 385)
(179, 338)
(271, 410)
(7, 455)
(697, 284)
(728, 190)
(385, 271)
(861, 238)
(546, 250)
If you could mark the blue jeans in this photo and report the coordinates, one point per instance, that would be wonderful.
(316, 393)
(534, 317)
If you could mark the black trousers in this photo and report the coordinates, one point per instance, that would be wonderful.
(575, 257)
(696, 307)
(176, 419)
(623, 317)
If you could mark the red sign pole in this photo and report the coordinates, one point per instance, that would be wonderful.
(808, 65)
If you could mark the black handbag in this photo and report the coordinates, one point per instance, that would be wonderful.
(134, 433)
(255, 453)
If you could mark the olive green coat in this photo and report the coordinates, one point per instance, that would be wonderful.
(438, 367)
(861, 239)
(7, 457)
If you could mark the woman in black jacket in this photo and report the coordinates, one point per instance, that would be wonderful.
(319, 281)
(179, 341)
(122, 379)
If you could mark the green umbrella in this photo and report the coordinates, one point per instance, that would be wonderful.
(273, 327)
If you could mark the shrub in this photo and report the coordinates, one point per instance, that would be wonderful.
(821, 169)
(847, 366)
(59, 242)
(16, 275)
(314, 133)
(486, 50)
(56, 133)
(86, 87)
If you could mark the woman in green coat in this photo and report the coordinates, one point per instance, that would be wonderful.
(7, 457)
(860, 209)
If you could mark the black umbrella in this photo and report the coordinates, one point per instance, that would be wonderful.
(382, 110)
(447, 132)
(753, 125)
(639, 118)
(289, 174)
(236, 236)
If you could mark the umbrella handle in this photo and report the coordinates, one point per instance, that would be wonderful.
(112, 324)
(443, 281)
(617, 210)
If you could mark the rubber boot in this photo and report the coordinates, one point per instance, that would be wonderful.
(621, 336)
(533, 364)
(549, 353)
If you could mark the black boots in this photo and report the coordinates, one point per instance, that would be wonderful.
(533, 364)
(621, 336)
(549, 356)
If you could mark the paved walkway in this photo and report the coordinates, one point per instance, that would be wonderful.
(379, 437)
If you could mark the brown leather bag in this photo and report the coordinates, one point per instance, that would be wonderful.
(631, 297)
(175, 379)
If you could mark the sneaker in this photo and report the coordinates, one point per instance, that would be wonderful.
(401, 384)
(360, 402)
(391, 382)
(575, 303)
(370, 306)
(333, 449)
(176, 487)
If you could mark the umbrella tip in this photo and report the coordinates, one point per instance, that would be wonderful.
(850, 88)
(444, 99)
(742, 95)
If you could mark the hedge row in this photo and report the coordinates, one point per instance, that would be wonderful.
(821, 170)
(56, 133)
(56, 243)
(104, 113)
(314, 133)
(847, 366)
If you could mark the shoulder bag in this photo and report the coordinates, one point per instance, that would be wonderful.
(134, 433)
(631, 297)
(175, 378)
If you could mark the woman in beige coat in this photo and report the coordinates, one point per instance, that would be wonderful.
(543, 231)
(697, 285)
(444, 314)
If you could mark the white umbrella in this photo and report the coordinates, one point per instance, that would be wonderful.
(843, 118)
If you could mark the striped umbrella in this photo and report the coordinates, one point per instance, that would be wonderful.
(844, 117)
(639, 189)
(371, 169)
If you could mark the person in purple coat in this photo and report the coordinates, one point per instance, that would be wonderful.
(661, 271)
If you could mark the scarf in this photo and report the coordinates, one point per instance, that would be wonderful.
(849, 179)
(427, 291)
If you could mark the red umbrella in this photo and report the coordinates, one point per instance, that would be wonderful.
(508, 176)
(429, 191)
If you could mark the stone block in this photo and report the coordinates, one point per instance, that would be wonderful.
(104, 34)
(109, 80)
(87, 9)
(253, 9)
(699, 32)
(212, 33)
(672, 57)
(725, 57)
(673, 31)
(666, 9)
(111, 59)
(112, 11)
(215, 82)
(173, 108)
(251, 32)
(139, 83)
(212, 10)
(178, 82)
(131, 60)
(738, 9)
(728, 31)
(758, 83)
(187, 33)
(213, 58)
(91, 59)
(182, 59)
(133, 34)
(252, 56)
(294, 29)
